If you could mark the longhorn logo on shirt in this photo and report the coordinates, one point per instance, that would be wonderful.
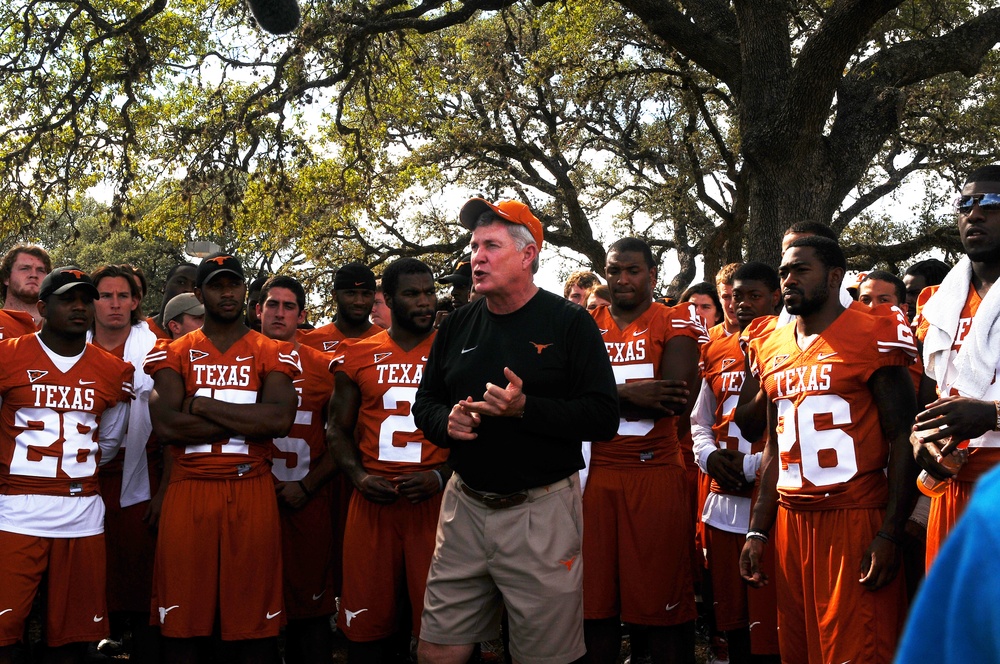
(539, 347)
(35, 374)
(196, 355)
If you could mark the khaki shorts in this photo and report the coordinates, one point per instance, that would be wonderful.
(527, 556)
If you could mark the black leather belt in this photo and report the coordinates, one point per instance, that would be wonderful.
(494, 501)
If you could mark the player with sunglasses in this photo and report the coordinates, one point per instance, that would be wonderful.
(958, 321)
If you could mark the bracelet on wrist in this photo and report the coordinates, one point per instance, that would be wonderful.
(886, 536)
(757, 535)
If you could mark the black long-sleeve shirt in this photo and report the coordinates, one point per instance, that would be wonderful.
(554, 346)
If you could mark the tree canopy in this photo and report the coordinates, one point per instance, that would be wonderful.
(704, 126)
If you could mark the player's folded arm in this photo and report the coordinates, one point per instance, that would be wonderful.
(171, 424)
(271, 417)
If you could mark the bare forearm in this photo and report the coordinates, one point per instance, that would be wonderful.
(344, 454)
(253, 420)
(174, 428)
(321, 474)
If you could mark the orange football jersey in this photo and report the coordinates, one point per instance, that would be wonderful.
(831, 447)
(723, 369)
(14, 324)
(388, 377)
(49, 421)
(984, 452)
(297, 453)
(235, 376)
(635, 354)
(327, 337)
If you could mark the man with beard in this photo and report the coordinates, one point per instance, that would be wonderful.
(65, 405)
(21, 273)
(841, 403)
(959, 327)
(354, 293)
(302, 467)
(221, 393)
(731, 462)
(399, 475)
(636, 503)
(180, 279)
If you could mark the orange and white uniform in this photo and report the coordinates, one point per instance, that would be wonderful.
(387, 548)
(984, 451)
(60, 418)
(15, 324)
(726, 516)
(307, 533)
(832, 485)
(219, 524)
(327, 339)
(637, 500)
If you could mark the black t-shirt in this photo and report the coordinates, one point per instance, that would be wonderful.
(554, 346)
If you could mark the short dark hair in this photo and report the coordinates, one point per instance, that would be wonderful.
(7, 264)
(827, 250)
(757, 271)
(811, 227)
(705, 288)
(396, 269)
(932, 270)
(984, 174)
(889, 278)
(126, 273)
(636, 245)
(180, 266)
(284, 281)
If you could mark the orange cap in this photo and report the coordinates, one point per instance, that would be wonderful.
(515, 212)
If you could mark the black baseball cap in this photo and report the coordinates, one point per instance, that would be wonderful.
(218, 263)
(462, 275)
(354, 275)
(62, 279)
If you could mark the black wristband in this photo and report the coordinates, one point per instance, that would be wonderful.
(886, 536)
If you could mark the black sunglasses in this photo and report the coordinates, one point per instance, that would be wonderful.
(987, 203)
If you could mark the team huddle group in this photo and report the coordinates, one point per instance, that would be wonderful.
(222, 472)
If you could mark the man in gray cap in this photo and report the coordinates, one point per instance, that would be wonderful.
(514, 382)
(183, 313)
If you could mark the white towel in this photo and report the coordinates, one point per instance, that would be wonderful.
(976, 363)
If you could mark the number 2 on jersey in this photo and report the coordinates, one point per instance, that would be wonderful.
(409, 451)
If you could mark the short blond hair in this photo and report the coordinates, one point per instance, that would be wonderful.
(725, 274)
